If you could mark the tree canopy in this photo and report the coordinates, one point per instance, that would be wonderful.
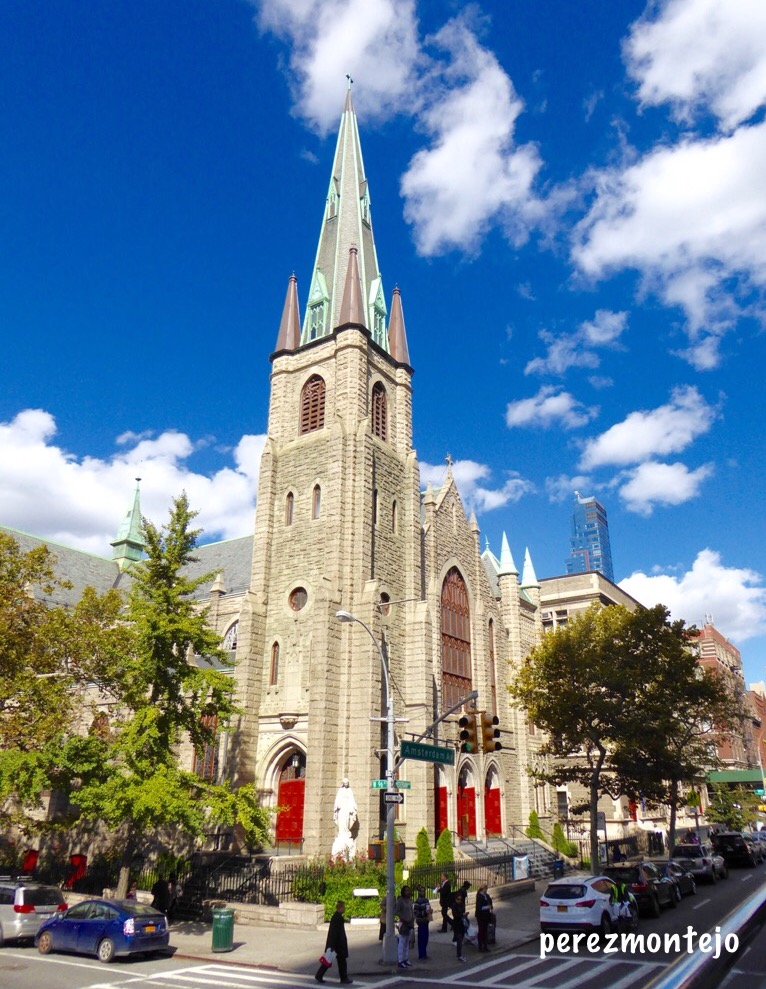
(623, 702)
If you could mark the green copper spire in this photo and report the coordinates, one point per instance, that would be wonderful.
(347, 223)
(128, 547)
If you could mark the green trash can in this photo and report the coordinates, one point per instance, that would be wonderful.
(558, 869)
(223, 929)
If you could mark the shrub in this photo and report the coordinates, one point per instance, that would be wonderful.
(534, 830)
(561, 844)
(444, 851)
(423, 855)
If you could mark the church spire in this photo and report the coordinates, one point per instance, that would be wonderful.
(397, 336)
(128, 547)
(290, 327)
(347, 222)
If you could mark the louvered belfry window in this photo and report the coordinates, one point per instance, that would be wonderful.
(206, 759)
(312, 404)
(456, 639)
(379, 412)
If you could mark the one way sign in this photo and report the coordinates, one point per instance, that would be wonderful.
(393, 798)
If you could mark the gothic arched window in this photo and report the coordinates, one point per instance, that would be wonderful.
(316, 502)
(379, 412)
(456, 639)
(230, 639)
(312, 404)
(289, 505)
(274, 670)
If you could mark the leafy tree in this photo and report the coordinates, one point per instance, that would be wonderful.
(169, 687)
(423, 853)
(445, 853)
(733, 807)
(604, 688)
(533, 828)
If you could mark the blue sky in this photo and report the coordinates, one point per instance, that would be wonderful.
(571, 197)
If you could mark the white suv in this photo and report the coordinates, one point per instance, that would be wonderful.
(24, 906)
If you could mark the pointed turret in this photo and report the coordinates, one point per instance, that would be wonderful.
(507, 566)
(290, 328)
(352, 306)
(347, 222)
(528, 575)
(128, 547)
(397, 336)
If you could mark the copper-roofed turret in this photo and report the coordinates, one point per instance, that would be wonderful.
(290, 328)
(397, 336)
(352, 306)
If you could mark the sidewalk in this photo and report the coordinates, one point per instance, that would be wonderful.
(296, 951)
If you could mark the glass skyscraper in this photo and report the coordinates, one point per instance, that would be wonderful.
(589, 541)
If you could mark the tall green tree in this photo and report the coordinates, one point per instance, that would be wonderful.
(733, 807)
(172, 685)
(604, 688)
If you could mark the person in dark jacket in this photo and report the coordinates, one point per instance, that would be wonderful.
(336, 939)
(458, 923)
(483, 916)
(445, 900)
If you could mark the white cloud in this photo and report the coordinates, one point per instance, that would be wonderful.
(642, 435)
(80, 502)
(550, 406)
(475, 495)
(375, 41)
(472, 176)
(701, 55)
(572, 349)
(653, 484)
(563, 487)
(735, 597)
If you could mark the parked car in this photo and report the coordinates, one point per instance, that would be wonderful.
(651, 889)
(702, 861)
(735, 848)
(577, 903)
(758, 841)
(24, 906)
(683, 879)
(105, 928)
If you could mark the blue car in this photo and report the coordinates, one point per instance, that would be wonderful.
(105, 928)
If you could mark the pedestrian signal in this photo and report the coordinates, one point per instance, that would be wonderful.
(490, 733)
(468, 739)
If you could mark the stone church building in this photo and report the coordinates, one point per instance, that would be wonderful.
(342, 523)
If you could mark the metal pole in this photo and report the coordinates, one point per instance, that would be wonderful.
(389, 939)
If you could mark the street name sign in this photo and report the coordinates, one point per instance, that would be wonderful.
(393, 798)
(427, 753)
(382, 784)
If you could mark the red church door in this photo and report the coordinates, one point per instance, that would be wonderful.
(466, 811)
(441, 810)
(492, 817)
(290, 798)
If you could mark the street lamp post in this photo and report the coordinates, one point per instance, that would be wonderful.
(389, 940)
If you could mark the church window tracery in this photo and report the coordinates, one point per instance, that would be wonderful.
(456, 639)
(312, 404)
(298, 598)
(230, 639)
(379, 412)
(206, 758)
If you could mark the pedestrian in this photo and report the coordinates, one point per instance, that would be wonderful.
(464, 893)
(445, 900)
(483, 916)
(337, 940)
(423, 917)
(383, 916)
(161, 894)
(405, 911)
(175, 890)
(132, 893)
(458, 923)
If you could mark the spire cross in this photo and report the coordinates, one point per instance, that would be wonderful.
(350, 80)
(449, 460)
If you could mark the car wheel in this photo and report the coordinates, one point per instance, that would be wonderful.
(106, 950)
(45, 943)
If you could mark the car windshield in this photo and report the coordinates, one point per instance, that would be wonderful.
(565, 891)
(41, 896)
(687, 852)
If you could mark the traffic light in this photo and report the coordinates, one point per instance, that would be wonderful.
(490, 733)
(468, 740)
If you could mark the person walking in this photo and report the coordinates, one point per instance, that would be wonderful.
(445, 900)
(405, 911)
(161, 895)
(423, 917)
(483, 916)
(458, 923)
(337, 940)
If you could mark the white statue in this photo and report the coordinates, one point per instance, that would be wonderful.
(346, 821)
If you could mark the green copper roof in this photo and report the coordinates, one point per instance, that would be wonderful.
(347, 223)
(128, 547)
